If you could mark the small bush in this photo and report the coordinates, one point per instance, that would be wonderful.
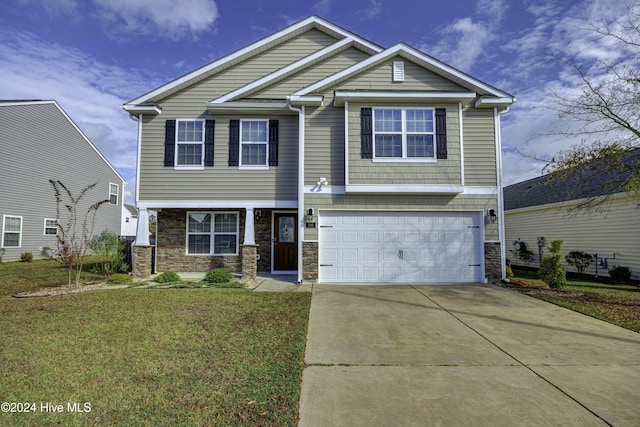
(525, 255)
(509, 272)
(551, 271)
(119, 278)
(580, 260)
(109, 246)
(26, 257)
(2, 251)
(620, 274)
(168, 277)
(218, 275)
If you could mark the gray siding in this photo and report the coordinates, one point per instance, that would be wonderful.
(479, 147)
(220, 182)
(38, 143)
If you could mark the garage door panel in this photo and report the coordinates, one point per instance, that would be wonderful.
(400, 247)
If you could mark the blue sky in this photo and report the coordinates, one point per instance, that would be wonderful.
(94, 55)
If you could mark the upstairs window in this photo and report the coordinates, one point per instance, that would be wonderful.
(404, 133)
(113, 193)
(189, 142)
(11, 231)
(254, 140)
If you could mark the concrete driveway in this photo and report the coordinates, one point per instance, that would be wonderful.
(463, 355)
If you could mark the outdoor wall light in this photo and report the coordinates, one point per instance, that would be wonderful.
(491, 213)
(322, 181)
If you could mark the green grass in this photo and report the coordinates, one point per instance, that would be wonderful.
(613, 303)
(152, 357)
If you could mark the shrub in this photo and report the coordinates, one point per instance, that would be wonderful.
(580, 260)
(218, 275)
(26, 257)
(620, 274)
(525, 255)
(168, 277)
(108, 245)
(551, 271)
(119, 278)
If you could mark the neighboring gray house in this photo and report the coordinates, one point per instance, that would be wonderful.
(38, 143)
(550, 209)
(324, 155)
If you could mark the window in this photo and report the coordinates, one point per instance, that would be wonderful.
(11, 231)
(113, 193)
(402, 133)
(50, 227)
(212, 233)
(189, 142)
(254, 139)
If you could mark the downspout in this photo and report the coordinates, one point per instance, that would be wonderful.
(301, 118)
(501, 224)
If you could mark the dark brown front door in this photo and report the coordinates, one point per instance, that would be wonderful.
(285, 242)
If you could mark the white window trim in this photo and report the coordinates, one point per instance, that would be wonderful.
(177, 144)
(213, 233)
(117, 193)
(44, 231)
(4, 226)
(242, 143)
(404, 133)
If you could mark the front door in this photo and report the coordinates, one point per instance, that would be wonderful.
(285, 242)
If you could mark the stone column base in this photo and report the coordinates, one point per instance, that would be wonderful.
(309, 260)
(249, 262)
(492, 261)
(141, 267)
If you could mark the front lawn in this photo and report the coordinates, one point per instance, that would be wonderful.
(617, 304)
(151, 357)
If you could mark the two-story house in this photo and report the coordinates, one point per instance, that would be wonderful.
(39, 142)
(319, 153)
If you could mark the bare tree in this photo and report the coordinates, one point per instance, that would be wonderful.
(606, 107)
(74, 235)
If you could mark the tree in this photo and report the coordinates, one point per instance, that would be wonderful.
(74, 235)
(580, 260)
(606, 105)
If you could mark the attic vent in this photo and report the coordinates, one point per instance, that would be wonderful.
(398, 71)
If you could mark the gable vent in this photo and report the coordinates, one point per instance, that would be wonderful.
(398, 71)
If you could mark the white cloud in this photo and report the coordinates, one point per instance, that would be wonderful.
(161, 18)
(89, 91)
(375, 8)
(323, 7)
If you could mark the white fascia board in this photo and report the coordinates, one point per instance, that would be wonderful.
(489, 102)
(309, 100)
(250, 107)
(334, 48)
(346, 96)
(211, 204)
(480, 190)
(322, 189)
(312, 21)
(416, 189)
(414, 55)
(142, 109)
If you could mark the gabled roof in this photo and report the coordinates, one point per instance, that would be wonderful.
(247, 52)
(419, 58)
(593, 182)
(4, 104)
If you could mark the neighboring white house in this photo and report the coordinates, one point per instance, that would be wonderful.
(129, 220)
(540, 208)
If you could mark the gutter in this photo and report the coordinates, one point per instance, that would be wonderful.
(301, 119)
(501, 223)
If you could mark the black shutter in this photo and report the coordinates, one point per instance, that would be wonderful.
(273, 143)
(169, 142)
(234, 142)
(209, 128)
(441, 133)
(366, 134)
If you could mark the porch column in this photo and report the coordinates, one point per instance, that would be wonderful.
(249, 229)
(142, 231)
(249, 249)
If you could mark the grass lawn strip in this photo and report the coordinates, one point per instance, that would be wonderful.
(616, 304)
(151, 357)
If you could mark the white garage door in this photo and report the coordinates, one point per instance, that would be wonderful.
(400, 247)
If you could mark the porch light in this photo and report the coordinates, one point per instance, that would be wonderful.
(322, 181)
(491, 213)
